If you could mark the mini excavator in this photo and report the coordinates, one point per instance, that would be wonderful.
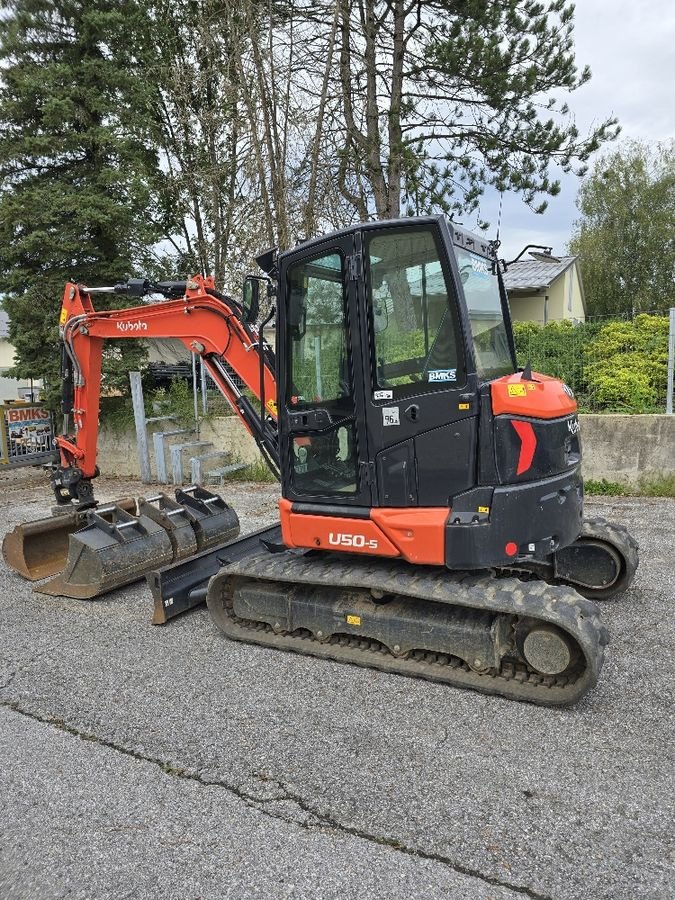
(431, 513)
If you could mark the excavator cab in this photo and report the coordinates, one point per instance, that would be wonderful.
(380, 368)
(404, 425)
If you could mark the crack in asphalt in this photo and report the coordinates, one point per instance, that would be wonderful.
(314, 818)
(10, 679)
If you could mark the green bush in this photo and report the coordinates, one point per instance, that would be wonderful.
(555, 349)
(628, 363)
(618, 366)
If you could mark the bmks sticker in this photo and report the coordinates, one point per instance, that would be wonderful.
(442, 375)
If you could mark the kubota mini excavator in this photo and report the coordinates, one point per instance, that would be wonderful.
(431, 512)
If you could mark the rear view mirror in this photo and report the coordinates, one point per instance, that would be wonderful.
(251, 298)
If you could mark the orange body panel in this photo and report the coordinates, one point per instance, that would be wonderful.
(543, 398)
(417, 535)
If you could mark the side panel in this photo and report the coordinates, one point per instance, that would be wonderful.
(418, 535)
(449, 455)
(396, 481)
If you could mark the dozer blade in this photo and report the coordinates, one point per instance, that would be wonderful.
(214, 521)
(182, 586)
(39, 549)
(108, 554)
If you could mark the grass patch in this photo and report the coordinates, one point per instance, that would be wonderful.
(653, 486)
(606, 488)
(256, 471)
(657, 486)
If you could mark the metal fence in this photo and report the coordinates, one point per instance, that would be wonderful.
(26, 435)
(613, 364)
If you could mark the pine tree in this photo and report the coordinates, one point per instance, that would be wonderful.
(76, 168)
(441, 97)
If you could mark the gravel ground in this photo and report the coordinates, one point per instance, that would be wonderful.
(169, 762)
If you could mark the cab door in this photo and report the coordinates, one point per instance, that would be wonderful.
(421, 390)
(323, 440)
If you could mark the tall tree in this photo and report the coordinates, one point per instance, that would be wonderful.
(76, 165)
(626, 233)
(441, 97)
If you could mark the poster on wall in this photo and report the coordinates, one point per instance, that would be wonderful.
(29, 431)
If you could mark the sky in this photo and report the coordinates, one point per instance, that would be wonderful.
(630, 47)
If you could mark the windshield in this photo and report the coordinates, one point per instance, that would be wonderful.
(490, 340)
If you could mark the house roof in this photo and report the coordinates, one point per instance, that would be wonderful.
(4, 324)
(535, 274)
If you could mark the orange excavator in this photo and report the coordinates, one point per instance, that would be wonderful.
(431, 513)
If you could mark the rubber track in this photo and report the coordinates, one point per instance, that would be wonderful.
(617, 536)
(557, 605)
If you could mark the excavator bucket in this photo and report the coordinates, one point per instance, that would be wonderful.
(39, 549)
(175, 520)
(107, 554)
(214, 521)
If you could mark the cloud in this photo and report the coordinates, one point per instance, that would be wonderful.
(629, 47)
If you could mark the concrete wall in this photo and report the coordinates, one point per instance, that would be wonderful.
(627, 448)
(615, 447)
(118, 451)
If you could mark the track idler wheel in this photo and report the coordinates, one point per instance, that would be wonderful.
(602, 561)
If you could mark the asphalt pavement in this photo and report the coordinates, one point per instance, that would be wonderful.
(168, 762)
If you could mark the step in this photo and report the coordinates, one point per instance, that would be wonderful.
(159, 446)
(219, 474)
(177, 457)
(154, 419)
(197, 463)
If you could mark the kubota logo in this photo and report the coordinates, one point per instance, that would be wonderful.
(351, 540)
(132, 326)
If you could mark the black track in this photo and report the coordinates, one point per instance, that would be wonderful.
(530, 601)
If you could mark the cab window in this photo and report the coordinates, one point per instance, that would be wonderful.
(323, 459)
(413, 315)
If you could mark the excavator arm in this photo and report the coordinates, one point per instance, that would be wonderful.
(207, 322)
